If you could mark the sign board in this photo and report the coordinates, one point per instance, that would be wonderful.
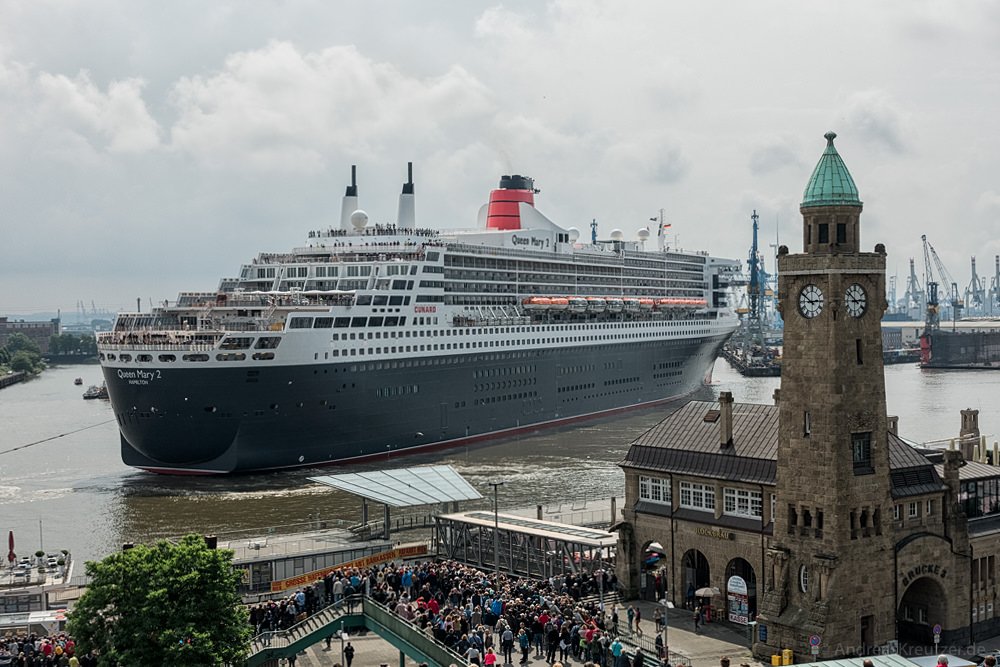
(762, 633)
(738, 601)
(936, 629)
(937, 640)
(815, 640)
(382, 557)
(814, 650)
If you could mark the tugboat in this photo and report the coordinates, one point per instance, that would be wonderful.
(78, 381)
(93, 391)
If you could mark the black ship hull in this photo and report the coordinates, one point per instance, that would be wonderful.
(216, 421)
(960, 349)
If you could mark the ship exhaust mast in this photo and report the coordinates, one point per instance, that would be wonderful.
(350, 203)
(406, 216)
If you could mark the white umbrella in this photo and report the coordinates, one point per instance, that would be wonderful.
(707, 592)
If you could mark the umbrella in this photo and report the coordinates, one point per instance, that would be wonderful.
(656, 547)
(707, 592)
(11, 556)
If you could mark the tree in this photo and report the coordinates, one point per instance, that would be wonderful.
(169, 604)
(18, 342)
(24, 361)
(55, 344)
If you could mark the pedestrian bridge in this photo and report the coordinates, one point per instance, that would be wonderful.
(353, 613)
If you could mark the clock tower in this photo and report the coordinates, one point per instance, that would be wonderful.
(829, 570)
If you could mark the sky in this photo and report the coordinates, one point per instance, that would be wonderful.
(148, 148)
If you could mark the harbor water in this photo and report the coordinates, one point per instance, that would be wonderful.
(63, 485)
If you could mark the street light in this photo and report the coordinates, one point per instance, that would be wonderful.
(343, 636)
(667, 605)
(496, 526)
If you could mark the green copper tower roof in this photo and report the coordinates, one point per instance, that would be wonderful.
(830, 184)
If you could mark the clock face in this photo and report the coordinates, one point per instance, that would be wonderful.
(855, 300)
(810, 301)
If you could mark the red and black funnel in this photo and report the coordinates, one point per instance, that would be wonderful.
(503, 211)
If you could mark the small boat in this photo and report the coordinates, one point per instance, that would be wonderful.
(615, 305)
(596, 304)
(577, 304)
(559, 303)
(631, 304)
(78, 381)
(93, 391)
(646, 304)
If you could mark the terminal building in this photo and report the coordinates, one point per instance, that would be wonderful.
(812, 517)
(39, 332)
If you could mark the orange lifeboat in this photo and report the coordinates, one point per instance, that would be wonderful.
(646, 304)
(631, 304)
(615, 305)
(558, 303)
(536, 303)
(577, 304)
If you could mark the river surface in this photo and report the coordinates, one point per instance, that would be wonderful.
(71, 490)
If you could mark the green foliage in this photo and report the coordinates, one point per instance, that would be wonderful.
(18, 342)
(26, 362)
(67, 343)
(169, 604)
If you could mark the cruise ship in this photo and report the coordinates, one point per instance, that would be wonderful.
(375, 340)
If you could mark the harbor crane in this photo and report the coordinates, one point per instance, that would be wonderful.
(975, 293)
(946, 281)
(995, 287)
(914, 296)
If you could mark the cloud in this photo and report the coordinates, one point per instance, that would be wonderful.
(279, 108)
(655, 159)
(772, 155)
(119, 116)
(875, 116)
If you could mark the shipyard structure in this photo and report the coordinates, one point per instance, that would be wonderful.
(813, 518)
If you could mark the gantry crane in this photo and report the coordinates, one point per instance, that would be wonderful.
(916, 299)
(946, 281)
(975, 293)
(995, 287)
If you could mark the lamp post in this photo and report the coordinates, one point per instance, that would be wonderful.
(496, 527)
(343, 635)
(667, 605)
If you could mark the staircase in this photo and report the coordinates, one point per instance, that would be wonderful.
(353, 613)
(269, 646)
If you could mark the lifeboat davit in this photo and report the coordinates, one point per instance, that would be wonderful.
(577, 304)
(615, 305)
(536, 303)
(596, 304)
(558, 303)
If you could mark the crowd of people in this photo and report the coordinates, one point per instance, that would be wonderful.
(33, 650)
(487, 618)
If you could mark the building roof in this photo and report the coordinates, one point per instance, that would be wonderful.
(688, 442)
(974, 470)
(830, 184)
(405, 487)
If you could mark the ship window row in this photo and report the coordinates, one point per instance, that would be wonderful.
(402, 390)
(586, 368)
(508, 397)
(382, 300)
(506, 384)
(576, 387)
(504, 370)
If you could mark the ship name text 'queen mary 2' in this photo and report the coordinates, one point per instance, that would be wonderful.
(372, 340)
